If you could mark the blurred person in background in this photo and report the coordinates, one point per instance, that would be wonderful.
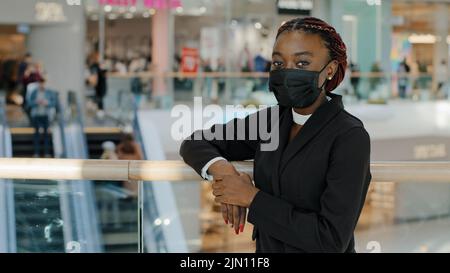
(27, 60)
(221, 81)
(120, 66)
(109, 151)
(442, 77)
(129, 149)
(31, 79)
(376, 76)
(98, 79)
(403, 78)
(260, 63)
(10, 76)
(137, 65)
(42, 106)
(355, 78)
(245, 60)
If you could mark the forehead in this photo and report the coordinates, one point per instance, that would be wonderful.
(291, 42)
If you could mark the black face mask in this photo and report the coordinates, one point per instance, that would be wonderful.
(295, 87)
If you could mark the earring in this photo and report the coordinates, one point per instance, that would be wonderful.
(329, 78)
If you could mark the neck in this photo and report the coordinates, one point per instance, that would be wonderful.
(313, 107)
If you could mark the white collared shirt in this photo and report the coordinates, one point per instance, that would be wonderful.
(301, 119)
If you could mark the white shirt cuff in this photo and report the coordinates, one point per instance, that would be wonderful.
(205, 174)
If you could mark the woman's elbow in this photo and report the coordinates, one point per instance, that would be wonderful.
(187, 146)
(184, 148)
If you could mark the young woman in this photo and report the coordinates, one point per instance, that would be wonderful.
(308, 193)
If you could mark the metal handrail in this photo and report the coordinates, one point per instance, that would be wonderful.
(145, 170)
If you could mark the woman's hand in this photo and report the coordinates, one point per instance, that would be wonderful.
(232, 214)
(234, 189)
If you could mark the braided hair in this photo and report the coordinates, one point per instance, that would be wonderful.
(332, 40)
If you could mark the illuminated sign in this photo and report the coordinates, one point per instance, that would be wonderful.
(49, 12)
(295, 7)
(73, 2)
(152, 4)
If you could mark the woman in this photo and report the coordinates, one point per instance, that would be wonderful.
(308, 193)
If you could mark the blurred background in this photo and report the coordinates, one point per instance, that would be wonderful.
(97, 79)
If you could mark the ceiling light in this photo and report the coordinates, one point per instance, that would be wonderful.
(107, 8)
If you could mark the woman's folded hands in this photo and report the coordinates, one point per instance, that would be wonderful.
(235, 192)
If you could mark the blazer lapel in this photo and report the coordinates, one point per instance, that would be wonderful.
(316, 122)
(284, 127)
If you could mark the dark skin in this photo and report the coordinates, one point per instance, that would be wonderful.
(292, 50)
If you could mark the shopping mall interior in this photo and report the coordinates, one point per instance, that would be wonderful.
(116, 70)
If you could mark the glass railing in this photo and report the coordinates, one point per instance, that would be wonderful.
(50, 218)
(252, 88)
(405, 217)
(409, 215)
(112, 208)
(61, 210)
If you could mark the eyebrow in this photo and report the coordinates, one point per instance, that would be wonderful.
(308, 53)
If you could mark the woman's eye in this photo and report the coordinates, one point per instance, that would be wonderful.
(277, 63)
(302, 64)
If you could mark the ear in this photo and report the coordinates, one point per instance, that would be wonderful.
(332, 69)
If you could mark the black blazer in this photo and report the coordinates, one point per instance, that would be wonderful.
(312, 189)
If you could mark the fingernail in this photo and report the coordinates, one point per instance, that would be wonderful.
(241, 228)
(237, 232)
(226, 222)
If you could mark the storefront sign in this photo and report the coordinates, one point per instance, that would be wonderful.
(189, 60)
(151, 4)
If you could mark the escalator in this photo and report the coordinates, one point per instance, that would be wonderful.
(116, 208)
(7, 215)
(22, 142)
(162, 227)
(39, 223)
(38, 214)
(85, 216)
(46, 215)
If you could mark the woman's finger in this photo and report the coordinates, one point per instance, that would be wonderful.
(230, 214)
(224, 212)
(236, 216)
(242, 218)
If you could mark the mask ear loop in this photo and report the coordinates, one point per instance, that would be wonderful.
(326, 79)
